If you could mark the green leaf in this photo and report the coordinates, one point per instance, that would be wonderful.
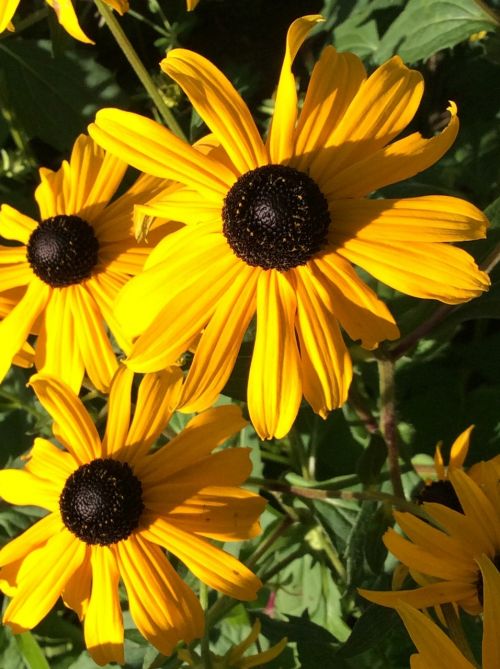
(375, 623)
(31, 651)
(427, 26)
(54, 97)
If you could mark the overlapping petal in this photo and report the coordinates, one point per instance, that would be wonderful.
(154, 150)
(280, 138)
(274, 382)
(72, 424)
(220, 106)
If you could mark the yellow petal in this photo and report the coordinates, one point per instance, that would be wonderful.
(182, 318)
(435, 648)
(383, 106)
(92, 339)
(179, 260)
(67, 18)
(56, 351)
(14, 276)
(426, 270)
(116, 221)
(280, 140)
(426, 560)
(103, 620)
(104, 288)
(211, 565)
(335, 80)
(219, 105)
(478, 510)
(439, 463)
(198, 439)
(14, 225)
(191, 4)
(7, 10)
(459, 449)
(121, 6)
(153, 149)
(72, 424)
(47, 461)
(157, 398)
(422, 598)
(264, 656)
(326, 364)
(491, 615)
(76, 592)
(361, 313)
(162, 606)
(53, 191)
(432, 218)
(17, 325)
(221, 513)
(94, 178)
(438, 543)
(36, 596)
(220, 342)
(274, 383)
(399, 161)
(29, 541)
(230, 467)
(119, 409)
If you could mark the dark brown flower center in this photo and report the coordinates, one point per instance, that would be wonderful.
(275, 217)
(101, 502)
(63, 250)
(440, 492)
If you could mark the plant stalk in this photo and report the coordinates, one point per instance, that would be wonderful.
(141, 72)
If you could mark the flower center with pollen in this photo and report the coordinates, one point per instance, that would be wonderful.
(275, 217)
(63, 250)
(101, 502)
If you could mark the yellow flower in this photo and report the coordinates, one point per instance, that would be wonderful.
(191, 4)
(113, 506)
(234, 659)
(436, 650)
(272, 229)
(65, 15)
(71, 266)
(444, 561)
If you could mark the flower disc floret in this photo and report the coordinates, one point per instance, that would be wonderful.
(275, 217)
(101, 502)
(63, 250)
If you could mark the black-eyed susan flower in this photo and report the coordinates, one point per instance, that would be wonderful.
(114, 506)
(274, 229)
(65, 12)
(444, 558)
(60, 282)
(436, 650)
(235, 657)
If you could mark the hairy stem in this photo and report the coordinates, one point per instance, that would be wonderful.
(141, 72)
(388, 422)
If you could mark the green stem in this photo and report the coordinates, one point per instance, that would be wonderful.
(141, 72)
(388, 422)
(347, 495)
(457, 633)
(205, 644)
